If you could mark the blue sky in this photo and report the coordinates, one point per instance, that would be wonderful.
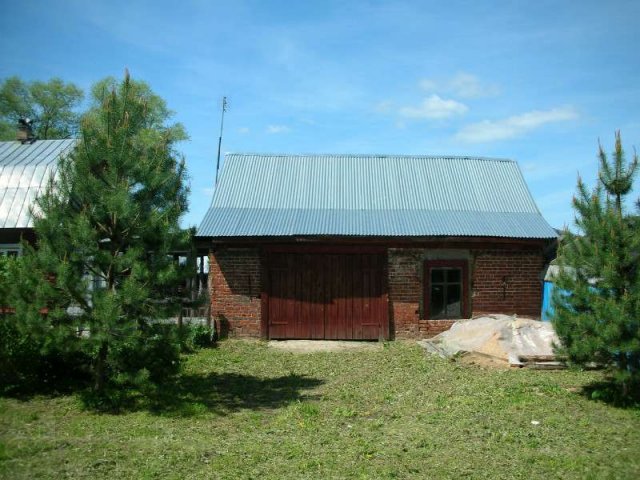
(539, 82)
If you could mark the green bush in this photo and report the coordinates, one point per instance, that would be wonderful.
(4, 282)
(149, 357)
(29, 364)
(195, 336)
(137, 368)
(18, 354)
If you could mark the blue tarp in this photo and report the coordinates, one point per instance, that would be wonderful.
(547, 300)
(547, 307)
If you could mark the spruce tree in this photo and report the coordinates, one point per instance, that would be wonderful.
(597, 299)
(106, 229)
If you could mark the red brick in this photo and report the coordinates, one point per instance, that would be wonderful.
(235, 291)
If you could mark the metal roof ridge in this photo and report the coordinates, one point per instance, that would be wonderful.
(370, 155)
(37, 141)
(226, 207)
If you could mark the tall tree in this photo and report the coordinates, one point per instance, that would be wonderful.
(106, 230)
(597, 302)
(617, 179)
(51, 105)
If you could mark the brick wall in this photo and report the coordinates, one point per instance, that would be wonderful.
(404, 285)
(522, 295)
(235, 283)
(405, 296)
(235, 287)
(507, 282)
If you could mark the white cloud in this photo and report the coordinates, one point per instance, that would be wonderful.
(434, 107)
(244, 130)
(278, 129)
(462, 85)
(489, 130)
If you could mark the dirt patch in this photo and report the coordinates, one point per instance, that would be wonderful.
(482, 360)
(312, 346)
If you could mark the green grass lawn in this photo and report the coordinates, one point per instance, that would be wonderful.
(245, 411)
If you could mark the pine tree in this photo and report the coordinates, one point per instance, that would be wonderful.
(597, 299)
(106, 228)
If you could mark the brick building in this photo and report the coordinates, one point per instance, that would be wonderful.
(370, 247)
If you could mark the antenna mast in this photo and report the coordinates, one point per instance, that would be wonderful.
(224, 109)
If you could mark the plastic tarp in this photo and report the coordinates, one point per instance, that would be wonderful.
(500, 337)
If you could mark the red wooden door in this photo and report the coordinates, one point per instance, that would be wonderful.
(326, 296)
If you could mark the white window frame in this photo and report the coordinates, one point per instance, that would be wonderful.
(7, 249)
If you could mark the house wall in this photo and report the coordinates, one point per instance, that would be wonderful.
(234, 289)
(16, 235)
(406, 292)
(500, 281)
(507, 282)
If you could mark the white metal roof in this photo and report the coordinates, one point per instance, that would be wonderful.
(24, 172)
(372, 195)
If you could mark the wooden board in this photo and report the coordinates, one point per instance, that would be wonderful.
(332, 296)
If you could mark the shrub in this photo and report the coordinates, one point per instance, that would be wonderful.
(30, 364)
(150, 357)
(195, 335)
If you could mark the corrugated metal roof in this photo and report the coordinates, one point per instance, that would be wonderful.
(24, 172)
(379, 195)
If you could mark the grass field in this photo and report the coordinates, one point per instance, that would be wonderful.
(245, 411)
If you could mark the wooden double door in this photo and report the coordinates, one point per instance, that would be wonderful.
(331, 296)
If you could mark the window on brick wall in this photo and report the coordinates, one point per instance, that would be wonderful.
(446, 287)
